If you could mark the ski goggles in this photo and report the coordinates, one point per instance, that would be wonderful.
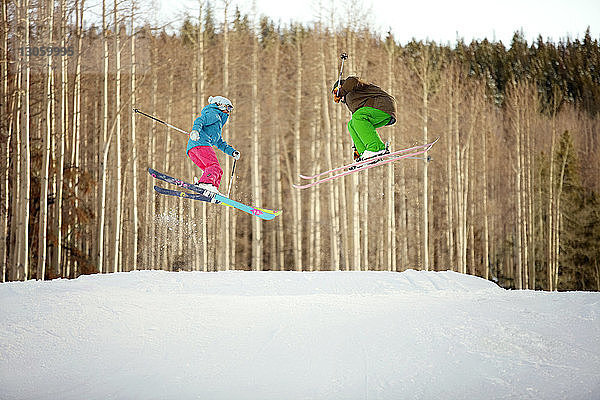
(226, 108)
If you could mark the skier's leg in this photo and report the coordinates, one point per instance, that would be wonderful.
(195, 155)
(358, 144)
(364, 121)
(205, 158)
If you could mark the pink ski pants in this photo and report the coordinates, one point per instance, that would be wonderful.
(206, 159)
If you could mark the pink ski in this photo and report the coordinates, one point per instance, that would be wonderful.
(358, 164)
(411, 152)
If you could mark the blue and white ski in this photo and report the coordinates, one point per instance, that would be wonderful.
(182, 193)
(208, 196)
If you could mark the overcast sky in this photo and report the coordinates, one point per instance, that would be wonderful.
(440, 20)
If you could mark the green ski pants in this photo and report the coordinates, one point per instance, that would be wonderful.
(362, 128)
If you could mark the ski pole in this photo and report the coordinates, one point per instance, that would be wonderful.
(343, 56)
(162, 122)
(231, 179)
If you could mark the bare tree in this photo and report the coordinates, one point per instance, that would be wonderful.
(46, 143)
(333, 209)
(201, 96)
(257, 247)
(298, 264)
(105, 145)
(151, 154)
(552, 220)
(484, 199)
(5, 127)
(425, 71)
(76, 134)
(119, 178)
(226, 70)
(390, 182)
(26, 149)
(134, 161)
(277, 237)
(516, 101)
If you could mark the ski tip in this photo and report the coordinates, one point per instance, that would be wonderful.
(274, 213)
(306, 176)
(300, 186)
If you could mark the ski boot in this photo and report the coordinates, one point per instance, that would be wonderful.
(369, 154)
(207, 187)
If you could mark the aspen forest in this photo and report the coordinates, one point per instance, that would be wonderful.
(511, 192)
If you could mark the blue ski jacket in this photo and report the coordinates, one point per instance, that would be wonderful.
(209, 125)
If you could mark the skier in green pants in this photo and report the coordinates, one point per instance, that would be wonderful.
(371, 108)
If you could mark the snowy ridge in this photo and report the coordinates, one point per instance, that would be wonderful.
(286, 283)
(293, 335)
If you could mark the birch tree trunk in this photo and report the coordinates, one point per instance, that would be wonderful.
(201, 96)
(524, 193)
(531, 261)
(46, 142)
(425, 71)
(13, 256)
(166, 255)
(277, 239)
(64, 119)
(118, 183)
(26, 142)
(257, 242)
(313, 243)
(557, 219)
(390, 197)
(105, 145)
(358, 208)
(486, 234)
(451, 182)
(460, 185)
(402, 198)
(425, 116)
(335, 222)
(75, 163)
(197, 95)
(15, 149)
(297, 228)
(471, 203)
(550, 244)
(226, 213)
(5, 132)
(519, 189)
(134, 161)
(150, 210)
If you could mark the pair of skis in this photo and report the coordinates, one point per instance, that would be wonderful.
(207, 196)
(325, 176)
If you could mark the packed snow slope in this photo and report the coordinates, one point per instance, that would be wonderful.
(293, 335)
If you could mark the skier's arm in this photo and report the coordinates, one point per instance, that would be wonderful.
(197, 127)
(224, 147)
(348, 86)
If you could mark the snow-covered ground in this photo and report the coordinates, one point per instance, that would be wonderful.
(290, 335)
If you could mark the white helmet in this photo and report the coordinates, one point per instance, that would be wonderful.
(223, 103)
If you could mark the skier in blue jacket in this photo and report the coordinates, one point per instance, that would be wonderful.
(206, 133)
